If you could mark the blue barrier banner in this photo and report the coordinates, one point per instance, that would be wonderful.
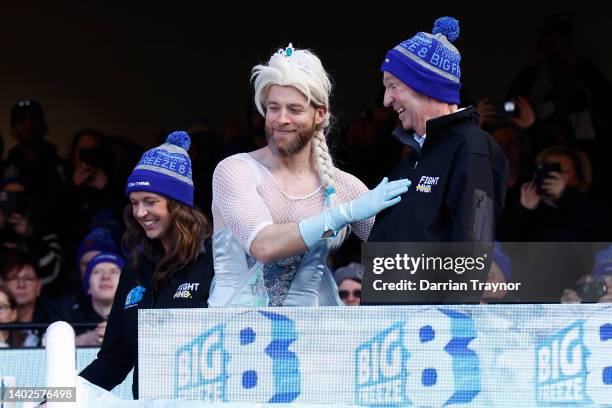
(385, 356)
(27, 365)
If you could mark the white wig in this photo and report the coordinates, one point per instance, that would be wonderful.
(300, 69)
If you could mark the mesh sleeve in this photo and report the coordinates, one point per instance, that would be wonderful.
(237, 200)
(355, 189)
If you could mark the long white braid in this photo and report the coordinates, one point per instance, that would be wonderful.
(325, 167)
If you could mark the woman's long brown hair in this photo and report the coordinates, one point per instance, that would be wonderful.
(188, 228)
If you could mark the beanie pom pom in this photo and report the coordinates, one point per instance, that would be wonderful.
(448, 27)
(179, 138)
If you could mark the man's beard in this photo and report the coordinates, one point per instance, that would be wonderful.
(293, 146)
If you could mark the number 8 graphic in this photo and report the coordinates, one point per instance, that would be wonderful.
(261, 368)
(598, 340)
(442, 370)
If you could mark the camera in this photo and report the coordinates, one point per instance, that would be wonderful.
(542, 172)
(506, 109)
(593, 290)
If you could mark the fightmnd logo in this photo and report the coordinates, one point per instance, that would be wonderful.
(247, 359)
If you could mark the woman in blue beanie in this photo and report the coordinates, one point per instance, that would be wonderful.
(168, 245)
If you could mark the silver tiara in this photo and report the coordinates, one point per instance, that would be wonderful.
(286, 52)
(294, 56)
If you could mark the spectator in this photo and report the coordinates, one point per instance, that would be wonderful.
(554, 207)
(596, 287)
(85, 139)
(348, 278)
(501, 272)
(94, 187)
(125, 154)
(515, 111)
(22, 227)
(36, 162)
(570, 96)
(99, 285)
(8, 314)
(557, 208)
(20, 272)
(97, 241)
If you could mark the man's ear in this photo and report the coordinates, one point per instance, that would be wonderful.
(320, 113)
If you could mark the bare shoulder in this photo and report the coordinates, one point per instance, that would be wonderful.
(259, 154)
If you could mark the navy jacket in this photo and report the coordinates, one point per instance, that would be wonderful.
(119, 352)
(458, 190)
(458, 185)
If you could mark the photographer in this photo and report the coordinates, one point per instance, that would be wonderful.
(554, 205)
(596, 287)
(94, 187)
(569, 94)
(516, 111)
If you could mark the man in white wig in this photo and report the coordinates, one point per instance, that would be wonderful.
(279, 210)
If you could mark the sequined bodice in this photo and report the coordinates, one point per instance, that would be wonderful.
(278, 276)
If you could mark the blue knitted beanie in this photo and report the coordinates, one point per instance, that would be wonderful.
(429, 63)
(165, 170)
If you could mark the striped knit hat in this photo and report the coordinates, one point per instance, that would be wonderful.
(429, 63)
(165, 170)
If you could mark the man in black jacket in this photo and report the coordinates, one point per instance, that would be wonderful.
(458, 171)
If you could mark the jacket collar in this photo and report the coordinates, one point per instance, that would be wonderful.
(406, 137)
(434, 127)
(438, 124)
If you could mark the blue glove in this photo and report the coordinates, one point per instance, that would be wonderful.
(386, 194)
(368, 205)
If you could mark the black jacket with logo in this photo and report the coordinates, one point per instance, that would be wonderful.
(119, 352)
(458, 185)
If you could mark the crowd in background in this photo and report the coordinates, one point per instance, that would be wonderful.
(61, 218)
